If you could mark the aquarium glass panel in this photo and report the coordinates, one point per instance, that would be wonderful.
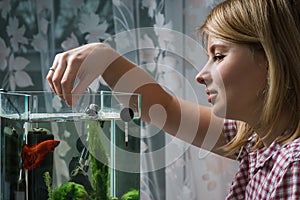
(50, 150)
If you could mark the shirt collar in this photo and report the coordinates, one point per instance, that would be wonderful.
(265, 154)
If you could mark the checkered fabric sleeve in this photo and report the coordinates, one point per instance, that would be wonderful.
(229, 129)
(289, 186)
(286, 176)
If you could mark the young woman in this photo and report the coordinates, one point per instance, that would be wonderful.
(252, 79)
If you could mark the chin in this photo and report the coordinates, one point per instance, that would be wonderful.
(219, 110)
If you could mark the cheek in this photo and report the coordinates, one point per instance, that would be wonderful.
(240, 88)
(246, 77)
(219, 83)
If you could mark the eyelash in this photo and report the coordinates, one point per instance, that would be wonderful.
(218, 57)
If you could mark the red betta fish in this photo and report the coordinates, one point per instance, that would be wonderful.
(33, 155)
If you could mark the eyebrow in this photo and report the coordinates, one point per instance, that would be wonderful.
(215, 46)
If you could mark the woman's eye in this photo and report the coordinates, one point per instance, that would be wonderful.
(218, 57)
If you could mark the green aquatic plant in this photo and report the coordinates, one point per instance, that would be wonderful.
(131, 195)
(48, 182)
(66, 191)
(100, 171)
(70, 190)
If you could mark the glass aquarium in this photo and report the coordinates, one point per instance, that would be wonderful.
(50, 151)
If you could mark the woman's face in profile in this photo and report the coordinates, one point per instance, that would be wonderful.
(235, 77)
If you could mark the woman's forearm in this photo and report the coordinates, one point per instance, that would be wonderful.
(182, 119)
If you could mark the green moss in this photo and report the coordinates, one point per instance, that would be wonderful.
(131, 195)
(67, 191)
(70, 190)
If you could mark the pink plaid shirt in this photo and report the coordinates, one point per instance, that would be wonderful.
(271, 173)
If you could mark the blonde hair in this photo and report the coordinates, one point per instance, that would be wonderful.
(271, 26)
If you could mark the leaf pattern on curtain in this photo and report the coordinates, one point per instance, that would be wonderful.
(13, 43)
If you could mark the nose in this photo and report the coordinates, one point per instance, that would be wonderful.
(200, 79)
(203, 77)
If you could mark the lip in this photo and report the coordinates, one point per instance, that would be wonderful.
(212, 94)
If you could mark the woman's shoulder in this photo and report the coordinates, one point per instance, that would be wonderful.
(292, 150)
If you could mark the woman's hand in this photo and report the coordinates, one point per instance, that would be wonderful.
(84, 63)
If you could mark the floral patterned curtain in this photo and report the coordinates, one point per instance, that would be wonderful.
(33, 31)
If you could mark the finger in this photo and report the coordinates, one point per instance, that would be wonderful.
(58, 74)
(68, 80)
(49, 78)
(51, 73)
